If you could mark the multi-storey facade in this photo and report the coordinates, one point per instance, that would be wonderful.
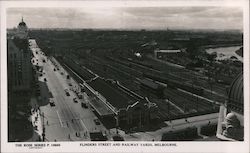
(19, 60)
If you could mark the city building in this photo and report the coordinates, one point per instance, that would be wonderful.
(128, 108)
(158, 53)
(231, 118)
(19, 60)
(19, 73)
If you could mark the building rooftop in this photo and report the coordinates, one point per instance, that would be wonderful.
(22, 23)
(86, 74)
(82, 71)
(169, 51)
(113, 94)
(101, 108)
(235, 95)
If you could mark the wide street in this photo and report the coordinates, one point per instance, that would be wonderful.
(67, 120)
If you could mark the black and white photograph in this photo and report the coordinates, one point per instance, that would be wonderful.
(125, 73)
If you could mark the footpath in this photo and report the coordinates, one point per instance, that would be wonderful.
(36, 120)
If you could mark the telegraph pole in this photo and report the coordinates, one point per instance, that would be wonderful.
(43, 134)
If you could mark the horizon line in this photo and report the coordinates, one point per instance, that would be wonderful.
(135, 29)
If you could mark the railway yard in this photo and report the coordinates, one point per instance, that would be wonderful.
(174, 103)
(178, 92)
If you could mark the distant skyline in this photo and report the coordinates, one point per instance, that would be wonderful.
(151, 18)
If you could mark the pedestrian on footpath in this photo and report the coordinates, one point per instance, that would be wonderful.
(47, 122)
(69, 136)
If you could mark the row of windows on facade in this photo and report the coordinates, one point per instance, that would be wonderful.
(14, 56)
(17, 76)
(18, 80)
(16, 72)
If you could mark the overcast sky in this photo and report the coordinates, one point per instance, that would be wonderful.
(129, 17)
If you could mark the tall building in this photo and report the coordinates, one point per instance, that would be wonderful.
(19, 60)
(19, 70)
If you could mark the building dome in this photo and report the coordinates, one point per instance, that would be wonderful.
(22, 24)
(22, 30)
(233, 128)
(235, 95)
(232, 119)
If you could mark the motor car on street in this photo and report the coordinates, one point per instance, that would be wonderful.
(67, 92)
(97, 122)
(75, 100)
(84, 105)
(52, 103)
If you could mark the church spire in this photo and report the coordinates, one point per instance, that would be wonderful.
(22, 18)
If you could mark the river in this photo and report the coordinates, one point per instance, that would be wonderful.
(225, 52)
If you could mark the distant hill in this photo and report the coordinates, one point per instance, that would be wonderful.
(240, 52)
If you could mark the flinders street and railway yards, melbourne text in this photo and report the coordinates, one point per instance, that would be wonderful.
(133, 144)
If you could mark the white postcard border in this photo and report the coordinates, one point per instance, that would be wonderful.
(214, 146)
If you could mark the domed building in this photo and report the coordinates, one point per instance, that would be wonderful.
(20, 81)
(19, 60)
(22, 30)
(235, 95)
(231, 116)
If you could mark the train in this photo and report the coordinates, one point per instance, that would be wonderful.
(152, 87)
(175, 84)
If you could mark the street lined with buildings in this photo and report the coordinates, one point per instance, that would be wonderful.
(67, 120)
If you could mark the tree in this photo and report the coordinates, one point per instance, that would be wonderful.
(212, 57)
(192, 49)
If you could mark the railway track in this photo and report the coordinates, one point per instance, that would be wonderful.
(165, 110)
